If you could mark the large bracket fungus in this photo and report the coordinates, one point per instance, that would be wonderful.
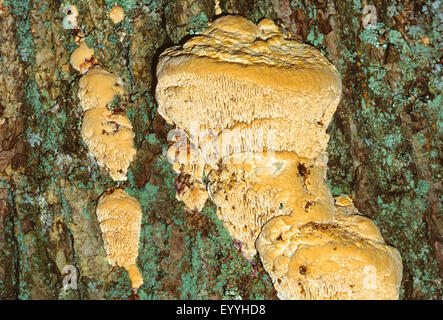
(238, 91)
(255, 106)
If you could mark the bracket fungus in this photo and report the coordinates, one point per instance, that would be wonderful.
(255, 106)
(117, 14)
(186, 162)
(120, 217)
(97, 88)
(108, 133)
(82, 59)
(242, 91)
(345, 259)
(110, 139)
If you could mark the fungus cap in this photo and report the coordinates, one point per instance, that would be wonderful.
(117, 14)
(120, 217)
(237, 72)
(251, 189)
(193, 196)
(97, 88)
(82, 59)
(342, 259)
(110, 140)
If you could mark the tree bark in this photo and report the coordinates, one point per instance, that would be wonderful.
(385, 149)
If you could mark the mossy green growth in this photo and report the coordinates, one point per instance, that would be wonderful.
(197, 24)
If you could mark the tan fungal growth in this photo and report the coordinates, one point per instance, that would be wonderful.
(82, 59)
(117, 14)
(120, 220)
(254, 107)
(110, 140)
(251, 190)
(185, 157)
(243, 89)
(193, 194)
(187, 162)
(97, 88)
(250, 79)
(345, 201)
(345, 259)
(108, 133)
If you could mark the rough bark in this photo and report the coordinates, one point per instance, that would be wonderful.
(385, 149)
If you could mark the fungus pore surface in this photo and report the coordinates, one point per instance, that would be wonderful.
(243, 94)
(253, 107)
(120, 217)
(108, 133)
(345, 259)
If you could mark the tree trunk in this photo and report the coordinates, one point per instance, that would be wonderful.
(385, 149)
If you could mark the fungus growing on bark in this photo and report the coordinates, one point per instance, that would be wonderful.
(343, 259)
(241, 89)
(109, 136)
(117, 14)
(120, 220)
(110, 140)
(107, 133)
(250, 191)
(255, 107)
(97, 88)
(248, 78)
(186, 161)
(82, 59)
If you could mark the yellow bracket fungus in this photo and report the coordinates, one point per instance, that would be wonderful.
(117, 14)
(237, 78)
(109, 137)
(120, 219)
(345, 259)
(108, 133)
(186, 161)
(255, 106)
(250, 191)
(240, 89)
(82, 59)
(97, 88)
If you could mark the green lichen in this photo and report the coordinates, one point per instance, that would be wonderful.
(197, 24)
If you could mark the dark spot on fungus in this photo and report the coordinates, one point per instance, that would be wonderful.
(302, 289)
(308, 204)
(302, 170)
(302, 270)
